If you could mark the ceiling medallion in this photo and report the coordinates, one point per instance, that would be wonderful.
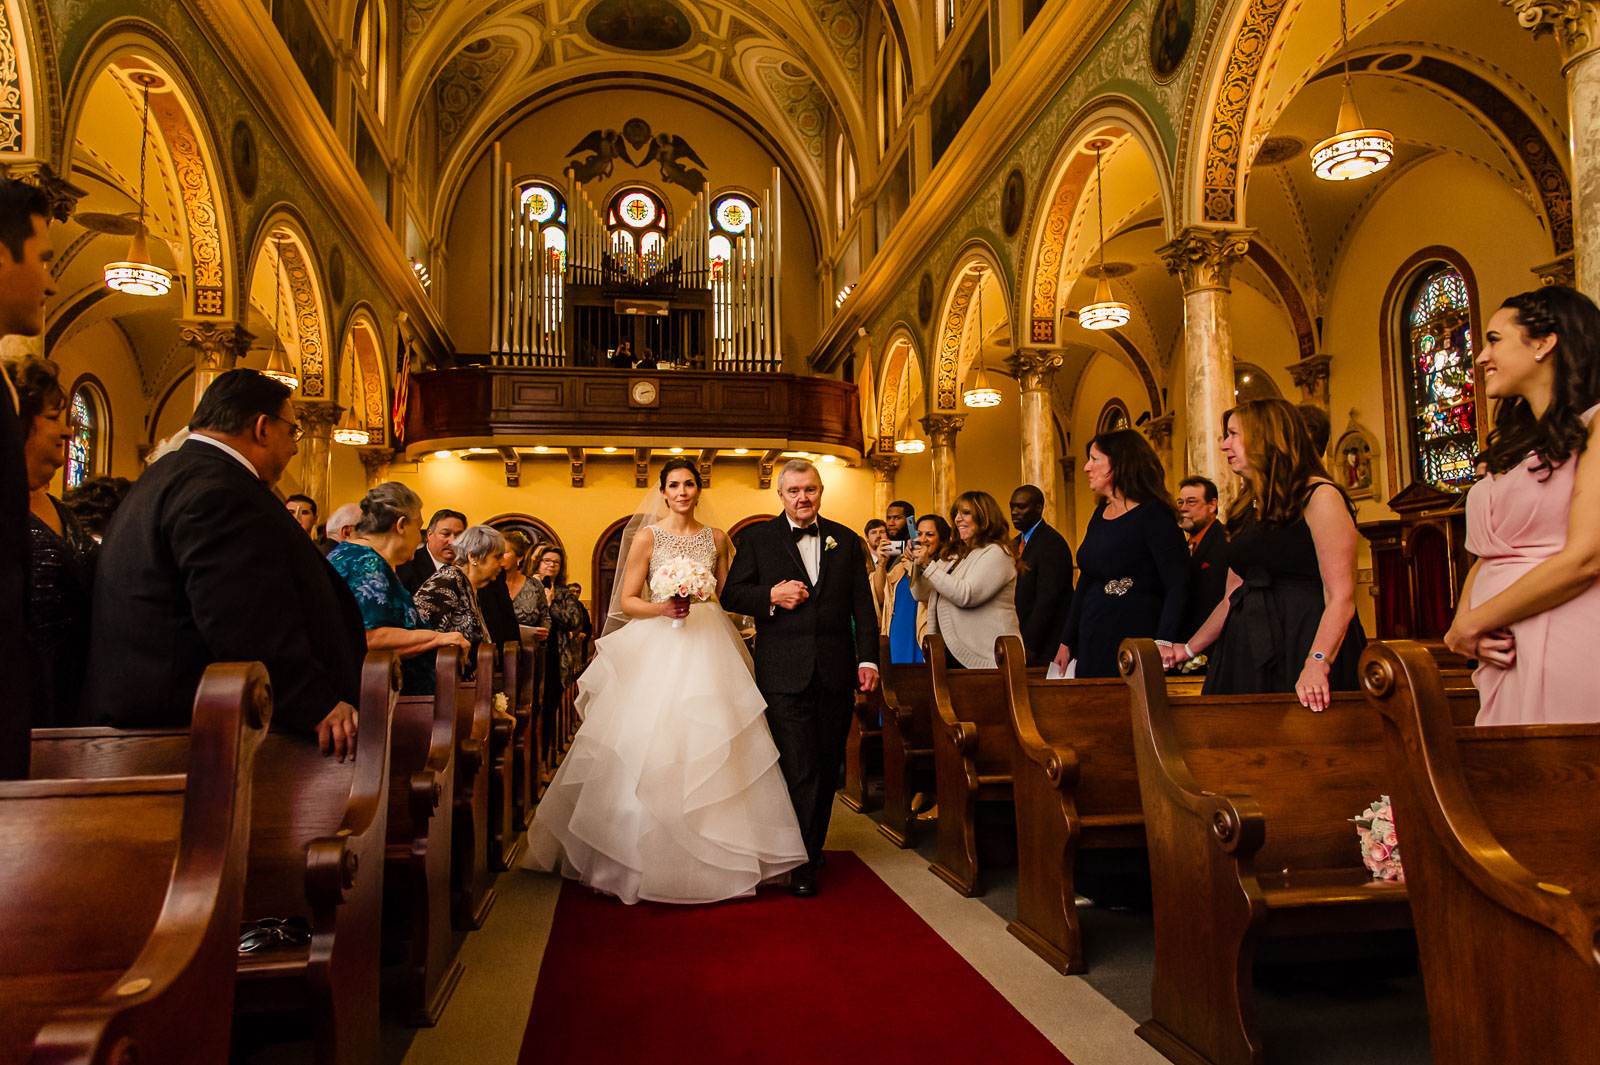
(639, 25)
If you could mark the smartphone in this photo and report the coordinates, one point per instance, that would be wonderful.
(893, 548)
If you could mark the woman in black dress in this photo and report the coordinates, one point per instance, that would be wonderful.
(1133, 563)
(1288, 619)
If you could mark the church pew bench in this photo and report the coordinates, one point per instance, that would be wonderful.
(971, 739)
(863, 751)
(505, 831)
(119, 944)
(1076, 789)
(1497, 829)
(422, 769)
(907, 743)
(472, 888)
(317, 843)
(1247, 806)
(529, 669)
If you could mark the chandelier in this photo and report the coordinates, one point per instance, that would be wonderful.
(906, 440)
(1104, 312)
(137, 275)
(1354, 151)
(278, 361)
(981, 394)
(350, 431)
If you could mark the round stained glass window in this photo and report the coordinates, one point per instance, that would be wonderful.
(733, 214)
(637, 209)
(541, 201)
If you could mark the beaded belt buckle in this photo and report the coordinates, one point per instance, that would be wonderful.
(1120, 586)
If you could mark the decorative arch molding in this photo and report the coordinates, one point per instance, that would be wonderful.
(191, 142)
(1230, 93)
(1391, 346)
(901, 347)
(30, 96)
(1288, 294)
(1141, 366)
(364, 340)
(1069, 174)
(975, 259)
(284, 226)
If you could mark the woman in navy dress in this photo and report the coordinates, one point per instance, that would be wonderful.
(1133, 562)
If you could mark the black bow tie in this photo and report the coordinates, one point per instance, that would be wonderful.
(806, 530)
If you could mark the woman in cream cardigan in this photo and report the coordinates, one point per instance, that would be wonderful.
(971, 597)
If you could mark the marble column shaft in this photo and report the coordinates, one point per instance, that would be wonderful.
(1035, 371)
(316, 450)
(942, 430)
(883, 471)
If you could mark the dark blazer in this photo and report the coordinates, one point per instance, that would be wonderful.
(1208, 576)
(202, 564)
(16, 711)
(829, 634)
(1044, 593)
(494, 599)
(419, 569)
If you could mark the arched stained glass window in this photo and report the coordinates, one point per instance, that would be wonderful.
(731, 215)
(636, 219)
(547, 209)
(721, 252)
(1441, 389)
(83, 446)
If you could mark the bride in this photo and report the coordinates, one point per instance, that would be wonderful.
(671, 791)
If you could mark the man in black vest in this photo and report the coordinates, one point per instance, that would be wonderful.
(203, 564)
(804, 580)
(1044, 588)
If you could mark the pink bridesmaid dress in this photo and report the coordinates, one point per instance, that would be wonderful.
(1514, 522)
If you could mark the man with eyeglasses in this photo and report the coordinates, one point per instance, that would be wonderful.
(203, 564)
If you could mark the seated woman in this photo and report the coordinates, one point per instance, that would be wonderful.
(903, 618)
(61, 553)
(1287, 621)
(388, 534)
(1530, 609)
(448, 600)
(972, 598)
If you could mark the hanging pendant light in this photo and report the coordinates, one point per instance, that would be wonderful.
(278, 361)
(981, 394)
(137, 275)
(907, 441)
(1355, 150)
(1105, 312)
(350, 431)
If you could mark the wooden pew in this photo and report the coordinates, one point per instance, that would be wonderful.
(422, 769)
(1076, 788)
(1247, 806)
(528, 667)
(505, 832)
(122, 896)
(907, 743)
(471, 880)
(317, 839)
(1497, 829)
(863, 750)
(972, 762)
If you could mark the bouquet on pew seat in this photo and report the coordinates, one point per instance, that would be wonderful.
(1380, 848)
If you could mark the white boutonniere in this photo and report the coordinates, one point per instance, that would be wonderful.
(829, 544)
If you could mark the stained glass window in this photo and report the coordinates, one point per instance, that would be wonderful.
(731, 215)
(555, 242)
(1442, 391)
(721, 252)
(84, 442)
(548, 210)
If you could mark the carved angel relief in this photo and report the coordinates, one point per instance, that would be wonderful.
(601, 149)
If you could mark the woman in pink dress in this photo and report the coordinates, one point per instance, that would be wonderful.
(1530, 609)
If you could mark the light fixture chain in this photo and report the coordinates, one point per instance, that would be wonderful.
(1100, 206)
(1344, 38)
(144, 146)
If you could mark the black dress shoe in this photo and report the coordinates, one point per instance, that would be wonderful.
(803, 882)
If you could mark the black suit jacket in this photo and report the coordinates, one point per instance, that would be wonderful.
(16, 666)
(1044, 593)
(829, 634)
(494, 599)
(419, 569)
(1208, 576)
(202, 564)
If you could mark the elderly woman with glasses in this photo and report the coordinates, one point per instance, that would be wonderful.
(448, 600)
(388, 534)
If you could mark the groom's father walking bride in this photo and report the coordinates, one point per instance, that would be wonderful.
(804, 580)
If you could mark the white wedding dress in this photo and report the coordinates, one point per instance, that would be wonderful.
(671, 791)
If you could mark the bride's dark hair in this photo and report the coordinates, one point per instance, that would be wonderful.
(679, 464)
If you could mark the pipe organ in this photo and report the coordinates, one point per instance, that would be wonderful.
(584, 293)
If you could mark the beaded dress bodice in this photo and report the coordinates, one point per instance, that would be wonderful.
(701, 547)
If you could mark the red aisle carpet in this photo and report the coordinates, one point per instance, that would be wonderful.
(852, 975)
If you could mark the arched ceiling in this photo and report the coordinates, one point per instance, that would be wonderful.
(782, 68)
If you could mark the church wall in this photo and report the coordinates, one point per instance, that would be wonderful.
(1103, 379)
(101, 351)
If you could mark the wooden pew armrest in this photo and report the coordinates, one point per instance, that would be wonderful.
(423, 797)
(1060, 764)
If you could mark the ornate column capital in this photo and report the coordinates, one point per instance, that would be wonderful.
(1034, 368)
(218, 343)
(1159, 430)
(376, 461)
(1311, 377)
(942, 428)
(1576, 23)
(318, 419)
(883, 466)
(1202, 257)
(1562, 271)
(62, 194)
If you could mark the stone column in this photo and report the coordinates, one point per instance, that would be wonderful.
(316, 450)
(942, 430)
(62, 194)
(218, 346)
(376, 461)
(1576, 25)
(1310, 376)
(1203, 259)
(1035, 371)
(883, 471)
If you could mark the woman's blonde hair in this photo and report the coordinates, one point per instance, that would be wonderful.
(992, 526)
(1282, 460)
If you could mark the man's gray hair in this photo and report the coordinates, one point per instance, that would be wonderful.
(386, 504)
(349, 514)
(479, 542)
(797, 466)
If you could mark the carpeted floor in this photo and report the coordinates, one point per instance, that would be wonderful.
(854, 974)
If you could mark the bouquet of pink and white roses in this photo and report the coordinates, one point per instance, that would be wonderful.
(683, 578)
(1380, 848)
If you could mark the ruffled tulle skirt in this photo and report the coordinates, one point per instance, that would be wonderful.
(671, 790)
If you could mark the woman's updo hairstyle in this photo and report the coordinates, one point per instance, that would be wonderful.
(386, 504)
(38, 388)
(679, 464)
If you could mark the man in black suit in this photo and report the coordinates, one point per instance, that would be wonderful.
(26, 252)
(438, 549)
(1044, 589)
(804, 580)
(203, 564)
(1208, 550)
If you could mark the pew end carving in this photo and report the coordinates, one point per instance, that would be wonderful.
(907, 740)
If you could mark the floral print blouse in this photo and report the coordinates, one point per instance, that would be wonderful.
(385, 604)
(447, 603)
